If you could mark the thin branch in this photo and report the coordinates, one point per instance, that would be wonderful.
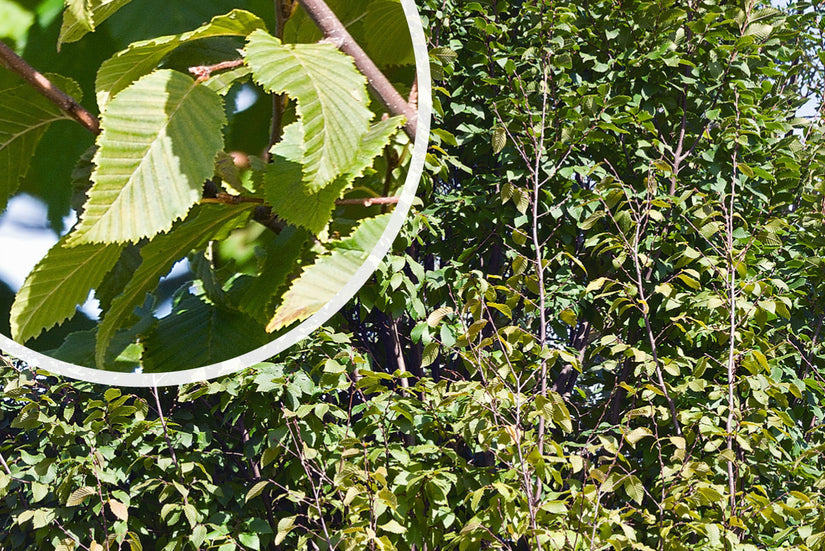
(335, 32)
(168, 441)
(5, 465)
(203, 72)
(295, 430)
(44, 86)
(732, 295)
(102, 501)
(369, 201)
(228, 199)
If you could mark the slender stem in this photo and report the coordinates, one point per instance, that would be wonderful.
(64, 101)
(166, 435)
(640, 289)
(316, 494)
(5, 465)
(731, 367)
(102, 501)
(336, 33)
(369, 201)
(203, 72)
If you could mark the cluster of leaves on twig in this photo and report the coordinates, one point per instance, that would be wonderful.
(160, 185)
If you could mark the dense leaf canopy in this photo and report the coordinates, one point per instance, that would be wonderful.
(600, 329)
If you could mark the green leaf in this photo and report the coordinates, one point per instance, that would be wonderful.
(392, 46)
(553, 408)
(191, 514)
(437, 315)
(158, 145)
(279, 263)
(80, 11)
(321, 281)
(59, 283)
(24, 118)
(284, 527)
(42, 517)
(220, 334)
(256, 490)
(444, 54)
(499, 139)
(78, 496)
(198, 535)
(78, 21)
(430, 354)
(393, 527)
(15, 21)
(250, 539)
(637, 434)
(303, 205)
(140, 58)
(331, 95)
(633, 487)
(205, 223)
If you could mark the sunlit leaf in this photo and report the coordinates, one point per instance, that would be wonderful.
(322, 280)
(59, 283)
(158, 145)
(140, 58)
(80, 19)
(300, 204)
(331, 95)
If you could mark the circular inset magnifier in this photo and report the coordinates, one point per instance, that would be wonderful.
(243, 186)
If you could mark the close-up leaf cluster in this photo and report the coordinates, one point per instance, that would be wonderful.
(165, 181)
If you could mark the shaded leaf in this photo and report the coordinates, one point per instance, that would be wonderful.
(24, 118)
(219, 334)
(205, 223)
(499, 139)
(256, 490)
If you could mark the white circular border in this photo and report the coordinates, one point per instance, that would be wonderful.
(58, 367)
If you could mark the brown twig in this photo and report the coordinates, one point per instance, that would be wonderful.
(228, 199)
(65, 102)
(335, 32)
(203, 72)
(368, 201)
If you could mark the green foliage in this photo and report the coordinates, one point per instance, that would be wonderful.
(26, 117)
(601, 328)
(318, 77)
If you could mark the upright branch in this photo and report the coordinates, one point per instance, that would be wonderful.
(732, 296)
(335, 32)
(64, 101)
